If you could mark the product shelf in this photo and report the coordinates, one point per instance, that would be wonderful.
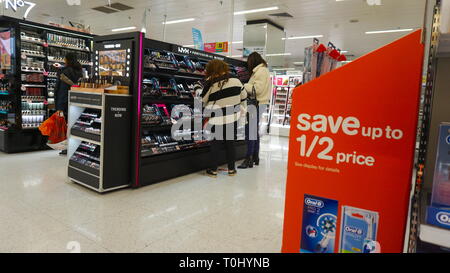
(90, 140)
(167, 100)
(149, 159)
(32, 41)
(174, 74)
(33, 55)
(33, 71)
(429, 233)
(34, 86)
(156, 128)
(93, 171)
(68, 47)
(434, 235)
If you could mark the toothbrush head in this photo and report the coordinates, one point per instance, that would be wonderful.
(328, 225)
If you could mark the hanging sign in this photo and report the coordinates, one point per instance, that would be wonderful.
(352, 141)
(198, 39)
(197, 53)
(15, 5)
(216, 47)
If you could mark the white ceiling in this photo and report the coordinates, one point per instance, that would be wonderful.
(326, 17)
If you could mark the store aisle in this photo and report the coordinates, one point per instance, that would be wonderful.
(41, 212)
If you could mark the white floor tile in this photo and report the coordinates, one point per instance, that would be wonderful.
(41, 211)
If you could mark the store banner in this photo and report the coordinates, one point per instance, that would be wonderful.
(351, 154)
(216, 47)
(249, 50)
(198, 39)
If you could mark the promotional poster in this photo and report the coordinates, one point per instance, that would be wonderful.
(350, 142)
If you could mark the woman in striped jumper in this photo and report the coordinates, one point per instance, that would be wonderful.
(225, 103)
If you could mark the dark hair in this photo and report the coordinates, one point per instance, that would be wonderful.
(254, 60)
(217, 69)
(72, 61)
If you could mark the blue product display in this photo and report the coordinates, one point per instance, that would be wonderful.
(319, 225)
(358, 230)
(441, 183)
(438, 217)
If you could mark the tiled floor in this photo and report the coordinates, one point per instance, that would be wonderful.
(40, 211)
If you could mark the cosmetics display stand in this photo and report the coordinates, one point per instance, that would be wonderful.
(99, 140)
(161, 77)
(28, 78)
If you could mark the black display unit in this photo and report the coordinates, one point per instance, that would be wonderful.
(161, 77)
(99, 140)
(28, 77)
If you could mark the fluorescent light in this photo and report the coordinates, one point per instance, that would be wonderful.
(344, 51)
(298, 63)
(123, 29)
(188, 45)
(278, 54)
(238, 42)
(302, 37)
(179, 21)
(255, 10)
(389, 31)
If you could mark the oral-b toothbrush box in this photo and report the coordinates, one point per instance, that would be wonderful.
(438, 217)
(358, 230)
(319, 225)
(441, 181)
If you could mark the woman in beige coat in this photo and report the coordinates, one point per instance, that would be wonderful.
(259, 88)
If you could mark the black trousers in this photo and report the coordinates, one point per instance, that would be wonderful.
(228, 140)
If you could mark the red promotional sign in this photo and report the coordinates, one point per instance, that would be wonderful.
(352, 143)
(216, 47)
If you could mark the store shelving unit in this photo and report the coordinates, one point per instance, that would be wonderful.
(280, 110)
(424, 237)
(99, 140)
(33, 78)
(161, 79)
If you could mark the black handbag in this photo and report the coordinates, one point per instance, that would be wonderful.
(251, 100)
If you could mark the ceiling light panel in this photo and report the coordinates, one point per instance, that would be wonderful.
(389, 31)
(302, 37)
(179, 21)
(122, 29)
(255, 10)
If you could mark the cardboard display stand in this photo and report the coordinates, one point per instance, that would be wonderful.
(352, 143)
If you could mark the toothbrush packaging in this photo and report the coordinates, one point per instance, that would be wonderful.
(438, 214)
(319, 225)
(441, 183)
(439, 217)
(358, 230)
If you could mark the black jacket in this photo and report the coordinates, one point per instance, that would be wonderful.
(67, 77)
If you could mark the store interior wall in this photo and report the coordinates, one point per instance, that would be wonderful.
(445, 16)
(275, 45)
